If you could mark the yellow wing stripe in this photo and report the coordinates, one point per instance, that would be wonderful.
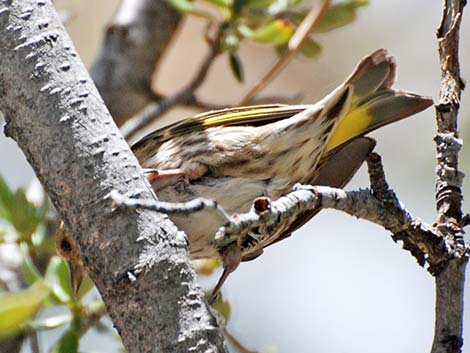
(223, 117)
(353, 124)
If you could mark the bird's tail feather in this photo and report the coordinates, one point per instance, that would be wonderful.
(374, 102)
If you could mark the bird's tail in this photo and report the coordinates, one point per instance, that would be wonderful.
(374, 102)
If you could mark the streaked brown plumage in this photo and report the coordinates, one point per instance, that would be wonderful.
(236, 155)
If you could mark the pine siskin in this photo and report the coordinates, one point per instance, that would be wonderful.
(236, 155)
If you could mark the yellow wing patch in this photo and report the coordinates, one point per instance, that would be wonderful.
(353, 124)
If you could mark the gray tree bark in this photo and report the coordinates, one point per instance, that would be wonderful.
(135, 41)
(55, 114)
(450, 283)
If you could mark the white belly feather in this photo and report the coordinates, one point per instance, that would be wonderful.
(202, 226)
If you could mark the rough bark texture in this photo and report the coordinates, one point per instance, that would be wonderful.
(135, 41)
(56, 116)
(450, 281)
(185, 96)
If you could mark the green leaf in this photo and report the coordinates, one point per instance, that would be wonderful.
(223, 307)
(236, 66)
(86, 286)
(339, 15)
(260, 3)
(68, 343)
(50, 323)
(18, 307)
(224, 4)
(26, 218)
(58, 279)
(6, 201)
(40, 236)
(245, 31)
(187, 7)
(28, 269)
(277, 32)
(310, 49)
(237, 7)
(182, 5)
(16, 209)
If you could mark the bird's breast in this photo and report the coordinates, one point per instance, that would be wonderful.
(234, 194)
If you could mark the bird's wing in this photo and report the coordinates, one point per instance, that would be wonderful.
(247, 116)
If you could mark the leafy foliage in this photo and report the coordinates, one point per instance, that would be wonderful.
(68, 343)
(19, 307)
(271, 22)
(18, 211)
(236, 67)
(47, 286)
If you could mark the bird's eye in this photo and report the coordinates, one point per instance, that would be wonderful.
(65, 245)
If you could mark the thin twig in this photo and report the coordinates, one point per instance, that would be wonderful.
(34, 342)
(449, 178)
(188, 207)
(295, 44)
(156, 109)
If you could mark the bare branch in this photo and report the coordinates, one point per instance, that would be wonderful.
(135, 41)
(155, 109)
(450, 281)
(295, 44)
(379, 205)
(449, 178)
(192, 206)
(34, 342)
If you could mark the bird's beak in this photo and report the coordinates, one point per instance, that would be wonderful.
(77, 274)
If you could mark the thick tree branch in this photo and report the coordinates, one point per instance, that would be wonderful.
(449, 282)
(185, 95)
(56, 116)
(135, 41)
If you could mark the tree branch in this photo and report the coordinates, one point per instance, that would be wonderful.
(186, 94)
(56, 116)
(378, 205)
(135, 41)
(449, 282)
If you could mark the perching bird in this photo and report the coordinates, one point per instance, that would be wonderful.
(236, 155)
